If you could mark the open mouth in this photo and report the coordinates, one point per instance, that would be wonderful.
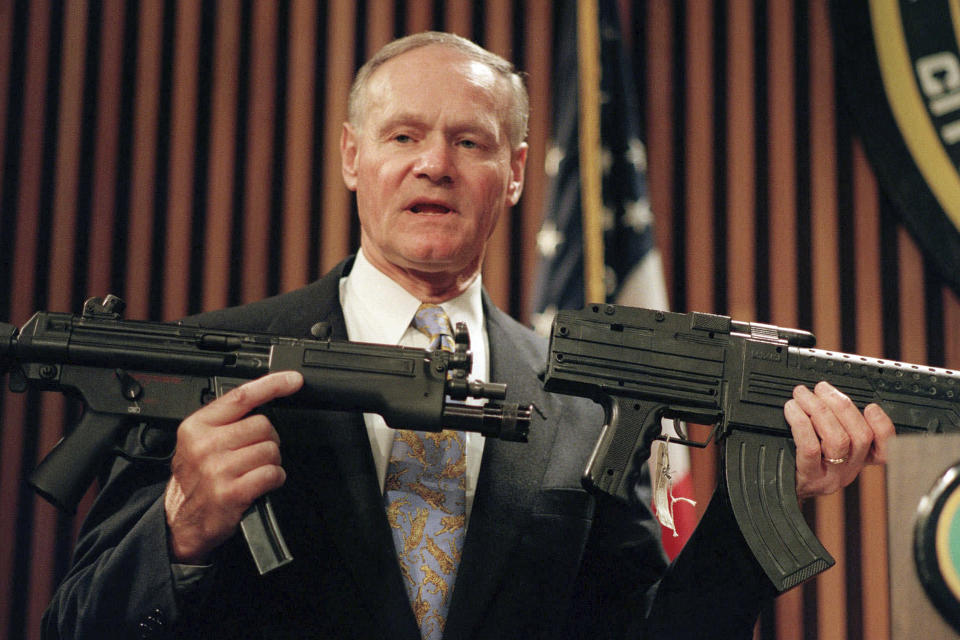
(426, 207)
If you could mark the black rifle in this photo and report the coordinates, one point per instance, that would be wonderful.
(131, 373)
(645, 365)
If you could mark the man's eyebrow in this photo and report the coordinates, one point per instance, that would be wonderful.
(399, 120)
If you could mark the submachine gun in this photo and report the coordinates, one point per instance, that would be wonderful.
(644, 365)
(130, 373)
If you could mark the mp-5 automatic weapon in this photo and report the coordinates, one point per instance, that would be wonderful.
(130, 373)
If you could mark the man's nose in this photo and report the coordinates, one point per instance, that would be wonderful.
(435, 161)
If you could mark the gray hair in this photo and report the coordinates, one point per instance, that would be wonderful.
(519, 110)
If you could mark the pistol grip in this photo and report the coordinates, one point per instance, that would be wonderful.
(262, 532)
(64, 475)
(759, 472)
(623, 447)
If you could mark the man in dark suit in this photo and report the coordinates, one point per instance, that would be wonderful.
(435, 151)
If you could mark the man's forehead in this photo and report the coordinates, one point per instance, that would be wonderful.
(416, 64)
(435, 70)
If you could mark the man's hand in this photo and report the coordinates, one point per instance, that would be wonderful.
(834, 440)
(225, 459)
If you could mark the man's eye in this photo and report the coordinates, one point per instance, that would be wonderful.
(402, 137)
(469, 144)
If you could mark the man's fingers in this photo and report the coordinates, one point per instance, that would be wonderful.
(804, 435)
(239, 462)
(851, 420)
(835, 441)
(883, 429)
(247, 397)
(258, 482)
(245, 432)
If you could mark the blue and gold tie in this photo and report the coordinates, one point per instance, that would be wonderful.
(425, 501)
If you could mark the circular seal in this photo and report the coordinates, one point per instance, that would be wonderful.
(898, 65)
(936, 545)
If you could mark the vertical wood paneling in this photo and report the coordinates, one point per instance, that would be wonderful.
(221, 169)
(869, 342)
(699, 156)
(380, 25)
(183, 130)
(295, 256)
(335, 234)
(951, 319)
(537, 63)
(60, 289)
(106, 145)
(460, 17)
(6, 53)
(185, 142)
(825, 254)
(261, 123)
(658, 100)
(782, 233)
(913, 334)
(740, 158)
(496, 265)
(419, 16)
(782, 189)
(16, 542)
(699, 207)
(143, 179)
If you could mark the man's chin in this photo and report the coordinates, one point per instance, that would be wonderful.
(436, 263)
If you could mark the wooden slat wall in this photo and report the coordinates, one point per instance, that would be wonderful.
(185, 155)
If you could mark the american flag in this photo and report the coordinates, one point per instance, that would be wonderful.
(633, 271)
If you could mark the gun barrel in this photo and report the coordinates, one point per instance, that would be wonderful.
(460, 389)
(509, 422)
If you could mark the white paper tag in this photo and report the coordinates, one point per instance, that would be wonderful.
(663, 498)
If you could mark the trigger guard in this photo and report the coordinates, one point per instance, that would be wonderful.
(158, 444)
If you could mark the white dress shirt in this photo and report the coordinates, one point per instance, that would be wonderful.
(378, 310)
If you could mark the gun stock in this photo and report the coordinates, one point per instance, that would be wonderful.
(710, 369)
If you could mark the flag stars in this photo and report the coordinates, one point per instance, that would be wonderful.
(551, 164)
(543, 321)
(548, 239)
(606, 159)
(610, 280)
(609, 219)
(637, 215)
(637, 154)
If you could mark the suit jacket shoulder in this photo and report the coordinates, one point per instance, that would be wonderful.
(292, 313)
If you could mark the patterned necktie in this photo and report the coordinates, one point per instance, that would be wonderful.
(425, 501)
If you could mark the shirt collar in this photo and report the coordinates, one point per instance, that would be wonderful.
(379, 310)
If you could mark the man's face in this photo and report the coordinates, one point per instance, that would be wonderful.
(431, 162)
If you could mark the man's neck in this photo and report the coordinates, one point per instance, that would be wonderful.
(426, 286)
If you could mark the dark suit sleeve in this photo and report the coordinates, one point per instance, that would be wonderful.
(120, 584)
(625, 587)
(715, 588)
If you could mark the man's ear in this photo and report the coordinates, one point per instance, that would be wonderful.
(348, 156)
(518, 163)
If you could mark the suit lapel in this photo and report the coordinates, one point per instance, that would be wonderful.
(510, 476)
(354, 507)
